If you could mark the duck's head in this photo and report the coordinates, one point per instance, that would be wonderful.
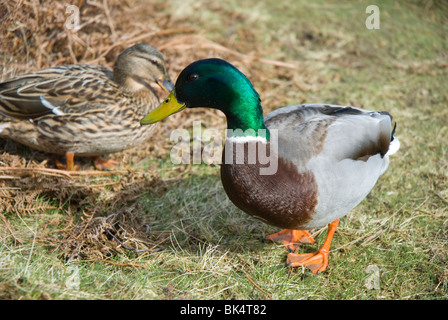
(139, 66)
(217, 84)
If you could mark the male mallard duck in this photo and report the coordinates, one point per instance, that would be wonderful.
(84, 110)
(328, 157)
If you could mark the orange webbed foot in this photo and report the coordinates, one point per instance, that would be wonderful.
(102, 164)
(291, 238)
(69, 164)
(316, 261)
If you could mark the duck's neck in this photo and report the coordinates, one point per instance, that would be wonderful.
(245, 118)
(245, 125)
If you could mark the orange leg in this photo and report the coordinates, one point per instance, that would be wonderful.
(316, 261)
(291, 238)
(102, 164)
(69, 163)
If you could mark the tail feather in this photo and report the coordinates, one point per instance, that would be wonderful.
(394, 146)
(394, 142)
(393, 132)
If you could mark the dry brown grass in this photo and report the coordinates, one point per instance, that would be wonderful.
(34, 36)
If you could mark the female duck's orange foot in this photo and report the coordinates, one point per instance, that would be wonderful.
(102, 164)
(316, 261)
(69, 164)
(291, 238)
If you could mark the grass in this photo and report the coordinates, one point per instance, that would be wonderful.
(214, 251)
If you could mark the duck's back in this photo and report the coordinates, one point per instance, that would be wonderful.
(346, 149)
(65, 89)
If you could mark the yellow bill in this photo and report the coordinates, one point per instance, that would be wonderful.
(166, 108)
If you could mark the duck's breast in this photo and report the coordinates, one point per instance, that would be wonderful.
(284, 197)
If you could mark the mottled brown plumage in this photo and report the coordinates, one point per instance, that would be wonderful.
(84, 110)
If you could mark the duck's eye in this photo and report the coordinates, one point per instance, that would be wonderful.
(193, 77)
(167, 100)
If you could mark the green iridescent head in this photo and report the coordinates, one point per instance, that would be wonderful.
(214, 83)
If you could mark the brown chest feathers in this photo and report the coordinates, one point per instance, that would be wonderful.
(285, 199)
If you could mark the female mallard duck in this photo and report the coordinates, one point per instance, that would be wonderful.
(328, 157)
(84, 110)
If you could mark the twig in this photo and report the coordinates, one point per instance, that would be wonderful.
(121, 264)
(85, 228)
(132, 249)
(258, 287)
(95, 173)
(70, 46)
(109, 20)
(66, 173)
(8, 177)
(373, 237)
(39, 170)
(8, 226)
(101, 185)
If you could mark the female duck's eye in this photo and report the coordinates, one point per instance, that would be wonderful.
(193, 77)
